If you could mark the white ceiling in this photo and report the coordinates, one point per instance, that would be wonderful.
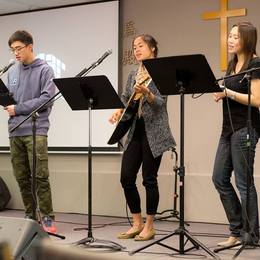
(10, 6)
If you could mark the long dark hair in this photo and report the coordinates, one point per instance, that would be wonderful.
(248, 37)
(150, 41)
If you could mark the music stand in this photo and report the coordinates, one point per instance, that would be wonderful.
(180, 75)
(6, 97)
(89, 93)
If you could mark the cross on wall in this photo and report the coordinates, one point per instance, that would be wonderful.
(223, 15)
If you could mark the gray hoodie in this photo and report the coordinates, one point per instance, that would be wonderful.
(31, 86)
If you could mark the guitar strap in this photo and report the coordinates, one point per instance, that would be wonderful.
(143, 78)
(139, 112)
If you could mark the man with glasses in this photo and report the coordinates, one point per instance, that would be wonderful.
(30, 82)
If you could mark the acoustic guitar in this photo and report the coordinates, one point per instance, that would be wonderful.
(128, 115)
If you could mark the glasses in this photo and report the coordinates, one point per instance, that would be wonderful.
(17, 49)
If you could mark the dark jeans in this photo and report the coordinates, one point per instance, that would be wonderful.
(138, 152)
(232, 156)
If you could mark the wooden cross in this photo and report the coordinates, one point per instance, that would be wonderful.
(223, 15)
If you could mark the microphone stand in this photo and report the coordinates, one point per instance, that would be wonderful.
(238, 74)
(247, 239)
(174, 213)
(6, 68)
(1, 72)
(89, 240)
(85, 71)
(34, 116)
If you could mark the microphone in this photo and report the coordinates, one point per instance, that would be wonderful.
(108, 52)
(7, 67)
(94, 65)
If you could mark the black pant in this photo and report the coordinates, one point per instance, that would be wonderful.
(138, 152)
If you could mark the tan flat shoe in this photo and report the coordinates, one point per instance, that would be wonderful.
(230, 241)
(149, 236)
(126, 235)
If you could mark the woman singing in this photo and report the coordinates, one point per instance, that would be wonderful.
(149, 137)
(232, 149)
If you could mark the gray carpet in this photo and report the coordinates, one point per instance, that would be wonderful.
(107, 228)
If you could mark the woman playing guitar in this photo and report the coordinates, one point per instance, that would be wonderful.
(148, 138)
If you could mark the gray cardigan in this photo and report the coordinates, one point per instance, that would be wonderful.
(155, 117)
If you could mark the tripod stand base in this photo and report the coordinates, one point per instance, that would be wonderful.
(244, 246)
(182, 232)
(56, 235)
(92, 242)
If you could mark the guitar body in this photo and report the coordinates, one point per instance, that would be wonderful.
(125, 122)
(127, 117)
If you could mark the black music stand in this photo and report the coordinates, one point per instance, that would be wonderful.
(180, 75)
(89, 93)
(6, 98)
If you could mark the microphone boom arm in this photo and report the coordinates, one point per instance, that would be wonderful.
(240, 73)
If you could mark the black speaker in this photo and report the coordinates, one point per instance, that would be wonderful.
(4, 194)
(21, 235)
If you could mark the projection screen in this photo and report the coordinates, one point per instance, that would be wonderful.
(70, 39)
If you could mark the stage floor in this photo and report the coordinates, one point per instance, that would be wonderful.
(107, 228)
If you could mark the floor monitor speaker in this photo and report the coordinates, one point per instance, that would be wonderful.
(21, 235)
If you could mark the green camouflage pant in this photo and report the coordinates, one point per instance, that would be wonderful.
(22, 158)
